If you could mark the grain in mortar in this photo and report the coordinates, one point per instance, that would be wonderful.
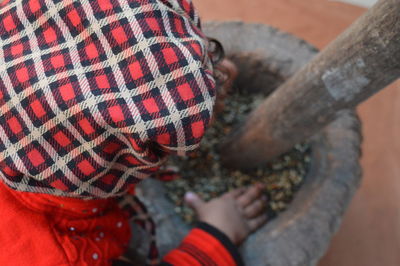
(201, 172)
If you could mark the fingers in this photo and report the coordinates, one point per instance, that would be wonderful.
(257, 222)
(250, 195)
(237, 192)
(255, 208)
(193, 200)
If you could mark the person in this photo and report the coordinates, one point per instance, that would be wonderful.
(94, 96)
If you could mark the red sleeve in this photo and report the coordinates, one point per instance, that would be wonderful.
(204, 245)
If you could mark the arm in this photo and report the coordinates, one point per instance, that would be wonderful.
(204, 245)
(225, 222)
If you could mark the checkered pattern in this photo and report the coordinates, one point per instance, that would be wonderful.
(94, 94)
(137, 212)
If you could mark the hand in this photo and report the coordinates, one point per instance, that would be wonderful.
(236, 213)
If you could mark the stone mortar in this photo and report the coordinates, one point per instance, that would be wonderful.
(301, 234)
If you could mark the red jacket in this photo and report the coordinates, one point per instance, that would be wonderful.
(45, 230)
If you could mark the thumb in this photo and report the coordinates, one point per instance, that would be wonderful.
(193, 200)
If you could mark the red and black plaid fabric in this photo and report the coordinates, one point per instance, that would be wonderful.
(94, 94)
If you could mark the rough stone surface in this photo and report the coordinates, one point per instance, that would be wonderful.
(301, 234)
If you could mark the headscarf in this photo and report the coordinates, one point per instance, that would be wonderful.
(95, 94)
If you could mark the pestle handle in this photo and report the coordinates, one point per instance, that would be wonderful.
(363, 60)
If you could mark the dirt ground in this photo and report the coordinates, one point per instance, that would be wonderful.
(370, 233)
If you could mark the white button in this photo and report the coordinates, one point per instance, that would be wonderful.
(119, 224)
(94, 210)
(72, 229)
(95, 256)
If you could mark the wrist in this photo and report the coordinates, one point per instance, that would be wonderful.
(234, 238)
(223, 238)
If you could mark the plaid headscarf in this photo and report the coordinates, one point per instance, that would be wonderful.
(94, 94)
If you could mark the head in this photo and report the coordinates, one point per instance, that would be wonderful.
(138, 82)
